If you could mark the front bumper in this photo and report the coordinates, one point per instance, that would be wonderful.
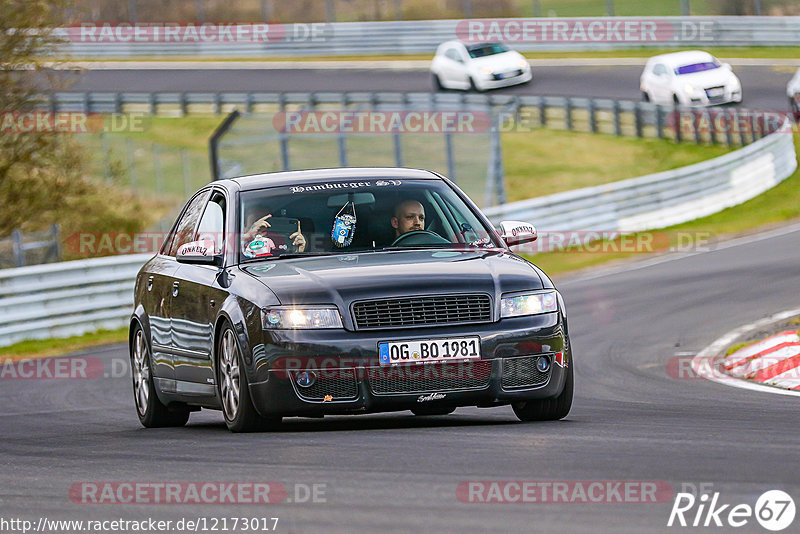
(348, 368)
(494, 83)
(703, 98)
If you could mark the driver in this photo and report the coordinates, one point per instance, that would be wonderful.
(409, 216)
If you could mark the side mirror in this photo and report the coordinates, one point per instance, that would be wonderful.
(199, 253)
(517, 232)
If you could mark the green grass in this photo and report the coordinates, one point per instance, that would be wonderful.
(41, 348)
(777, 206)
(542, 161)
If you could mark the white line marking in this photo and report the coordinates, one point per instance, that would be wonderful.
(700, 362)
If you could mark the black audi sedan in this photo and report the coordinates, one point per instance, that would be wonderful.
(344, 291)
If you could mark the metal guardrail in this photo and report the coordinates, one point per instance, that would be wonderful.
(32, 248)
(662, 199)
(422, 37)
(596, 115)
(68, 298)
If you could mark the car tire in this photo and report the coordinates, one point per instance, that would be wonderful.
(473, 88)
(437, 83)
(646, 96)
(550, 409)
(232, 387)
(433, 410)
(795, 108)
(675, 99)
(151, 411)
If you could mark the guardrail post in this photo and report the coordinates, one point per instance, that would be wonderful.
(592, 109)
(542, 112)
(568, 113)
(537, 8)
(153, 104)
(19, 253)
(610, 8)
(86, 103)
(659, 121)
(729, 128)
(712, 134)
(283, 138)
(53, 103)
(637, 119)
(55, 231)
(741, 127)
(248, 103)
(118, 102)
(617, 121)
(184, 104)
(451, 164)
(217, 103)
(696, 127)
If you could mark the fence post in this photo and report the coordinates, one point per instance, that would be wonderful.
(617, 122)
(187, 172)
(330, 11)
(637, 119)
(659, 121)
(696, 127)
(678, 124)
(217, 103)
(19, 253)
(248, 103)
(568, 113)
(467, 9)
(495, 181)
(685, 9)
(742, 131)
(55, 231)
(542, 112)
(86, 103)
(158, 171)
(132, 163)
(153, 104)
(712, 133)
(451, 164)
(199, 10)
(537, 8)
(610, 8)
(592, 115)
(132, 14)
(728, 128)
(184, 104)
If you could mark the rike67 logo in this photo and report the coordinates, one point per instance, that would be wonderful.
(774, 510)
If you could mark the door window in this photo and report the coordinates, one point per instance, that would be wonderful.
(184, 230)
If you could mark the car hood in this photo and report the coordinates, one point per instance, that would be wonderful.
(499, 62)
(706, 79)
(344, 278)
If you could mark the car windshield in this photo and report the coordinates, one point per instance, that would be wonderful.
(483, 50)
(358, 215)
(697, 67)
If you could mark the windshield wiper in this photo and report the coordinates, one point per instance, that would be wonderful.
(290, 255)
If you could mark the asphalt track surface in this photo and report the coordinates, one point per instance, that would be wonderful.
(631, 421)
(764, 88)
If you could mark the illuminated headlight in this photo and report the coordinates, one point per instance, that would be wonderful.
(530, 304)
(289, 318)
(689, 89)
(486, 71)
(523, 64)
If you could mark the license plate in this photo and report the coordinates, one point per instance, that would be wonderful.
(429, 350)
(715, 92)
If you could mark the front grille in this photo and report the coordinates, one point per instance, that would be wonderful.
(720, 92)
(522, 373)
(333, 384)
(422, 311)
(428, 378)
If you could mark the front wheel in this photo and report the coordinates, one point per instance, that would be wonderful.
(237, 406)
(547, 409)
(437, 83)
(151, 411)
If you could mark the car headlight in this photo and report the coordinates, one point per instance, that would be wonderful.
(528, 304)
(291, 318)
(523, 63)
(486, 71)
(689, 89)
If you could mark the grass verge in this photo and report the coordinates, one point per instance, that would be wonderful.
(779, 205)
(42, 348)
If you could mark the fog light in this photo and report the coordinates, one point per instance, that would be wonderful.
(306, 379)
(542, 364)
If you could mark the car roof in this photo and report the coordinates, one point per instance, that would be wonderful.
(677, 59)
(259, 181)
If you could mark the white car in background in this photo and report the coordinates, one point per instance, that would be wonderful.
(793, 92)
(478, 67)
(692, 78)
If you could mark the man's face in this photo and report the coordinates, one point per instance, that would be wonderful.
(409, 216)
